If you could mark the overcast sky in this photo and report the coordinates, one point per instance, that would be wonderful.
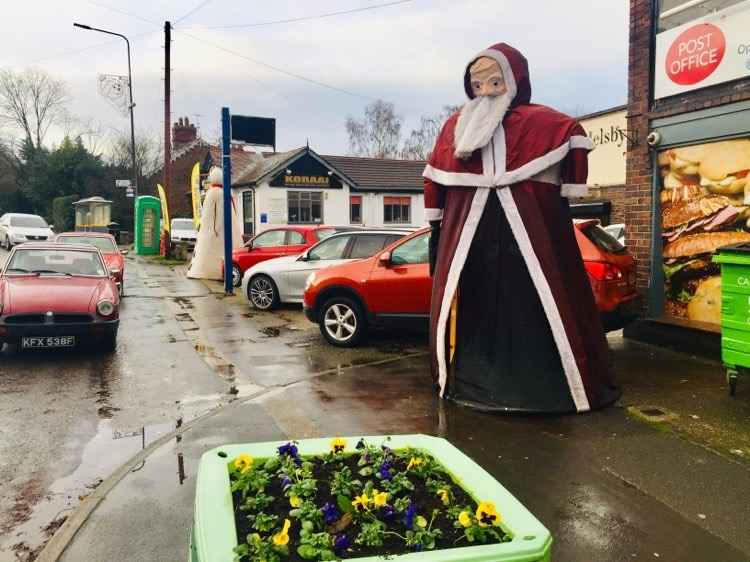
(411, 54)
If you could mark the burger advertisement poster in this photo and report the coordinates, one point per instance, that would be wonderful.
(703, 52)
(705, 204)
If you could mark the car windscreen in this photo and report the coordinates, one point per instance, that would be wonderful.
(365, 245)
(183, 224)
(603, 240)
(329, 249)
(30, 221)
(323, 233)
(55, 261)
(106, 245)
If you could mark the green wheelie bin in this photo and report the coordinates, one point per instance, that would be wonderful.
(735, 311)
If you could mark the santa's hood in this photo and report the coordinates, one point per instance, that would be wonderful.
(515, 72)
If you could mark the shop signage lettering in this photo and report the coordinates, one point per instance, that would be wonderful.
(695, 54)
(703, 52)
(614, 135)
(307, 180)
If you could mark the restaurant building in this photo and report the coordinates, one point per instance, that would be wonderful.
(686, 190)
(300, 186)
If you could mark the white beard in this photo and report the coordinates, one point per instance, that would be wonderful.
(477, 123)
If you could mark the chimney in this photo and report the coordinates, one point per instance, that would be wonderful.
(183, 132)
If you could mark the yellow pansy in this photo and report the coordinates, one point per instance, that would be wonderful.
(487, 514)
(338, 445)
(421, 522)
(444, 496)
(282, 538)
(294, 501)
(414, 461)
(379, 498)
(465, 518)
(361, 503)
(243, 463)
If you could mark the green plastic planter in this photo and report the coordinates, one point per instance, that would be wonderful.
(214, 537)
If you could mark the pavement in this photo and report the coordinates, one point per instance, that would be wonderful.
(663, 475)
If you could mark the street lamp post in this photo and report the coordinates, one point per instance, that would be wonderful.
(131, 105)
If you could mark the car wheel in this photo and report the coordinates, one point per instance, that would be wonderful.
(342, 322)
(263, 293)
(236, 276)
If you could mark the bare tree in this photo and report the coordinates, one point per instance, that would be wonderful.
(378, 134)
(32, 101)
(421, 141)
(149, 152)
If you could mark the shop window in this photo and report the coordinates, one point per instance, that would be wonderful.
(397, 210)
(355, 209)
(305, 207)
(673, 13)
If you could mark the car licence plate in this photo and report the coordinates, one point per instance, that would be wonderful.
(32, 342)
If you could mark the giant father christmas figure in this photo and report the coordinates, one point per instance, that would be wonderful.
(513, 324)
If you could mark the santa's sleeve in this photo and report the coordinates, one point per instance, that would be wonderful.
(575, 166)
(434, 200)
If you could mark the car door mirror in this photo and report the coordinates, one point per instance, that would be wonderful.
(249, 244)
(385, 259)
(304, 257)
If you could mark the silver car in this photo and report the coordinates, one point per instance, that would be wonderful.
(283, 279)
(17, 228)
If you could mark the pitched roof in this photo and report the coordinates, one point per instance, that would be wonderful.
(380, 174)
(259, 168)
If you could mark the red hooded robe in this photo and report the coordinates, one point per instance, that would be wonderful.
(529, 336)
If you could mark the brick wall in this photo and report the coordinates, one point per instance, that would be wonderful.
(179, 199)
(637, 204)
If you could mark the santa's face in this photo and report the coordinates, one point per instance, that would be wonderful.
(486, 78)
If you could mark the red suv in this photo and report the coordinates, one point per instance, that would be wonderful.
(274, 243)
(395, 285)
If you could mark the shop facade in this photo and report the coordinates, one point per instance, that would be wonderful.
(687, 191)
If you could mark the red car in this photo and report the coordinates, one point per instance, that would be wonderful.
(58, 295)
(395, 285)
(274, 243)
(106, 243)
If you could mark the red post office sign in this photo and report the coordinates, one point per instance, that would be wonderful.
(703, 52)
(695, 54)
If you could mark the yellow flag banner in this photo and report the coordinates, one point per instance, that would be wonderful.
(195, 183)
(164, 210)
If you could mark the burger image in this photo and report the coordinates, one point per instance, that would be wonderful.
(724, 167)
(699, 214)
(687, 265)
(705, 306)
(684, 161)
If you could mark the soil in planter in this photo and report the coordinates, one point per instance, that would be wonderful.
(424, 499)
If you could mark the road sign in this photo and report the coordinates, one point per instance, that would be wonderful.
(122, 183)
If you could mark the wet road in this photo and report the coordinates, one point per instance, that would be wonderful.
(69, 418)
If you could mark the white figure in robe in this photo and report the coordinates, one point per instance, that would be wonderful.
(209, 248)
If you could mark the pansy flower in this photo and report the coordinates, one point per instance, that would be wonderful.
(409, 515)
(421, 522)
(340, 543)
(465, 518)
(330, 513)
(243, 463)
(385, 470)
(414, 462)
(285, 482)
(444, 496)
(388, 513)
(282, 538)
(361, 503)
(290, 450)
(487, 515)
(338, 445)
(295, 501)
(379, 498)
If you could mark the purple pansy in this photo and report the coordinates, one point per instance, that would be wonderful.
(388, 513)
(290, 450)
(385, 470)
(341, 543)
(411, 512)
(285, 482)
(330, 513)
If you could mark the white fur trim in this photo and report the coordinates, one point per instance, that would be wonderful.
(433, 215)
(574, 190)
(502, 60)
(454, 274)
(463, 179)
(572, 373)
(581, 141)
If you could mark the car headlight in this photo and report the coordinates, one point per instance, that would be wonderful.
(105, 308)
(310, 281)
(17, 237)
